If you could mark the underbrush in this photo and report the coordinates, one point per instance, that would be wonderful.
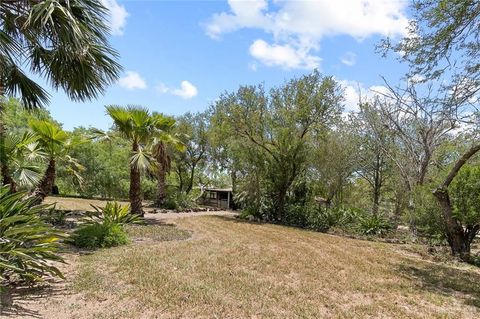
(104, 227)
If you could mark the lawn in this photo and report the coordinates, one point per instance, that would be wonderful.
(228, 268)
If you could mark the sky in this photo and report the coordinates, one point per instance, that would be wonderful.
(179, 56)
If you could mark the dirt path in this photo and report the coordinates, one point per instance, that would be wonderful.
(81, 204)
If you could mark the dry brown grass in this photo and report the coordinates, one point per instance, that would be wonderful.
(234, 269)
(80, 204)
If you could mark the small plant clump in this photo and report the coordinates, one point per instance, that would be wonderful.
(105, 227)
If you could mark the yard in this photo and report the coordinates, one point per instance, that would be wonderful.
(228, 268)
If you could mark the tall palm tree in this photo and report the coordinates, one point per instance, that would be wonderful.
(55, 143)
(64, 42)
(138, 126)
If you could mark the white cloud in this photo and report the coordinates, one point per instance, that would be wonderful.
(117, 17)
(349, 59)
(299, 26)
(186, 90)
(355, 91)
(283, 56)
(132, 80)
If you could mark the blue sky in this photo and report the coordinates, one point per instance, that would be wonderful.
(179, 56)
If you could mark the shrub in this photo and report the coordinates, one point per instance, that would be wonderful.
(53, 216)
(97, 235)
(28, 245)
(114, 213)
(369, 224)
(104, 227)
(324, 218)
(179, 200)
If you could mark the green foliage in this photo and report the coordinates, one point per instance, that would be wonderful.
(270, 137)
(99, 235)
(324, 218)
(427, 216)
(79, 58)
(178, 200)
(465, 195)
(373, 225)
(53, 216)
(27, 244)
(104, 227)
(113, 213)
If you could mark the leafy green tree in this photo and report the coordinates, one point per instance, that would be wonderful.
(458, 236)
(104, 156)
(64, 42)
(275, 130)
(191, 162)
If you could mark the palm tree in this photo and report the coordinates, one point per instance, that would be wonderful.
(24, 154)
(138, 126)
(55, 143)
(161, 152)
(64, 42)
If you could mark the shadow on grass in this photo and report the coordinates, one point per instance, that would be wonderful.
(446, 280)
(11, 300)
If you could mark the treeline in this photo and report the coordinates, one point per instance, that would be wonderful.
(292, 156)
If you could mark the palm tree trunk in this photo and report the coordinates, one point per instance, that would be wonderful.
(45, 187)
(135, 188)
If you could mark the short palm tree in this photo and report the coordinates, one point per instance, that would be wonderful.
(24, 156)
(162, 146)
(55, 143)
(65, 42)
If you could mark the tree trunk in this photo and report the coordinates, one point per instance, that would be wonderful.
(45, 187)
(161, 186)
(458, 238)
(190, 179)
(135, 188)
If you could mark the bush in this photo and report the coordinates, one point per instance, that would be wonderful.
(324, 218)
(369, 224)
(98, 235)
(53, 216)
(114, 213)
(179, 200)
(28, 245)
(104, 227)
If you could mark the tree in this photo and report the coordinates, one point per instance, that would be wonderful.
(274, 130)
(442, 45)
(139, 127)
(64, 42)
(192, 131)
(374, 143)
(458, 236)
(55, 143)
(161, 151)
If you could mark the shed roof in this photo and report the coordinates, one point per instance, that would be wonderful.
(213, 189)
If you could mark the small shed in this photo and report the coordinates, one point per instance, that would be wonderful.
(218, 197)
